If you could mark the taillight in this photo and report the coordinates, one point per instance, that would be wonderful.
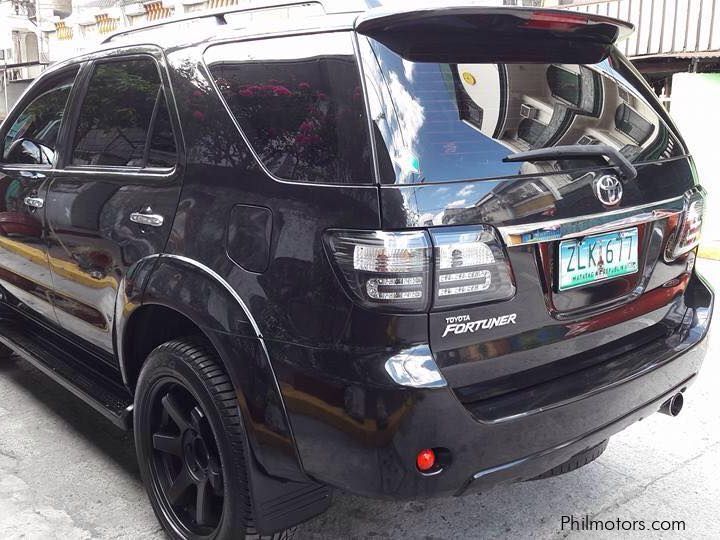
(470, 267)
(388, 270)
(687, 234)
(404, 271)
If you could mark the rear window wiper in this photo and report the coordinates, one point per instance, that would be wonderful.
(578, 151)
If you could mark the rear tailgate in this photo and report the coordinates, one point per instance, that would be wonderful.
(457, 91)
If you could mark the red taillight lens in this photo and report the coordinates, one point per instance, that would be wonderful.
(687, 235)
(425, 460)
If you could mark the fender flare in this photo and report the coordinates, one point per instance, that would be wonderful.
(203, 296)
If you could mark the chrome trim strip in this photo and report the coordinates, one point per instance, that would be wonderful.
(561, 229)
(217, 277)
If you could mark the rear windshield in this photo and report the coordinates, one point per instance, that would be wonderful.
(457, 121)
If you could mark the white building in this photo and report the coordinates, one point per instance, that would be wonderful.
(21, 58)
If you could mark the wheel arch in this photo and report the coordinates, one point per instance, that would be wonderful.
(148, 326)
(170, 297)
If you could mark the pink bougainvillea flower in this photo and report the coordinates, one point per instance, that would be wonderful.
(281, 91)
(199, 115)
(304, 86)
(307, 126)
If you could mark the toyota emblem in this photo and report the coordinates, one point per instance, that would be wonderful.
(609, 190)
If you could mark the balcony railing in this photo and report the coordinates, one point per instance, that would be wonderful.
(663, 27)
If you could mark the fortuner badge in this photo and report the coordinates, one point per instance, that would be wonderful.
(462, 324)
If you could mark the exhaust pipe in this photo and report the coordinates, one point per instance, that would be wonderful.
(673, 406)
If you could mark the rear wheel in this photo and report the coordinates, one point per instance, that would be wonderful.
(191, 444)
(578, 460)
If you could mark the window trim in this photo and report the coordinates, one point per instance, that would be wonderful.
(30, 95)
(204, 68)
(152, 126)
(66, 167)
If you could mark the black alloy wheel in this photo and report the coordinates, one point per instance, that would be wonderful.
(191, 444)
(185, 460)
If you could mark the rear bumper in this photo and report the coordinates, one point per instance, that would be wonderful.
(537, 463)
(372, 452)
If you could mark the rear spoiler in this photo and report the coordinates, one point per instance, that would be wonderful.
(429, 33)
(581, 25)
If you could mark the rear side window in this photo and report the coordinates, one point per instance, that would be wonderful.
(124, 119)
(299, 102)
(32, 137)
(444, 120)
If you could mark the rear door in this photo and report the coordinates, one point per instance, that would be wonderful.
(112, 201)
(29, 141)
(459, 95)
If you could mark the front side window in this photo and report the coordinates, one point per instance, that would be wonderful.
(124, 119)
(299, 102)
(32, 137)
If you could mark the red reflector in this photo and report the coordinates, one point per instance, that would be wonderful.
(425, 460)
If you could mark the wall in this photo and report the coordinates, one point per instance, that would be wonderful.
(696, 110)
(661, 26)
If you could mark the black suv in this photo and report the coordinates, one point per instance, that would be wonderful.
(399, 253)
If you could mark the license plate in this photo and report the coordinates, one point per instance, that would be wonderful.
(597, 258)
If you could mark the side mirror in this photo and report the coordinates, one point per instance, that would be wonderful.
(27, 151)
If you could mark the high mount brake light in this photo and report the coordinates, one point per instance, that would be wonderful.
(687, 234)
(556, 21)
(397, 271)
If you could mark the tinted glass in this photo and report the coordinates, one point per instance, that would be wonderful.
(115, 117)
(457, 121)
(32, 137)
(299, 102)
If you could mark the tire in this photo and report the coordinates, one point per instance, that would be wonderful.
(191, 445)
(575, 462)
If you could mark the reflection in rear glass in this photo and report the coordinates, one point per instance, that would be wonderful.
(444, 122)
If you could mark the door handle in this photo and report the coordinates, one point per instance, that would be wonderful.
(34, 202)
(146, 217)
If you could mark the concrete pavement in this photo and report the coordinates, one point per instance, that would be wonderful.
(67, 473)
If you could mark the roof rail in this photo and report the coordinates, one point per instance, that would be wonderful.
(218, 15)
